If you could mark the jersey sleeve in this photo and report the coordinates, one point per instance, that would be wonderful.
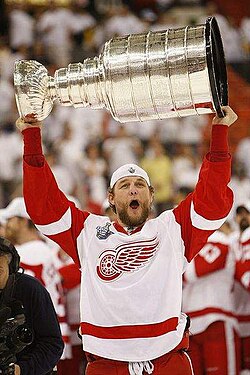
(50, 210)
(206, 209)
(71, 276)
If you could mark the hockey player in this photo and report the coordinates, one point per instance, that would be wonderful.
(240, 242)
(131, 287)
(208, 301)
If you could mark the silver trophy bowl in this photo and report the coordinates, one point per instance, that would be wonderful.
(139, 77)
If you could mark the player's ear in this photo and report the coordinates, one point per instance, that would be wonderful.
(152, 194)
(110, 197)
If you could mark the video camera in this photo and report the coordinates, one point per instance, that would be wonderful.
(15, 335)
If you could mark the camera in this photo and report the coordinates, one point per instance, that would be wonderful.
(15, 335)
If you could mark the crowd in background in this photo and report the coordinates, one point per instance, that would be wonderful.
(85, 146)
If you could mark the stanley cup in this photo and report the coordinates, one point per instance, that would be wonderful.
(139, 77)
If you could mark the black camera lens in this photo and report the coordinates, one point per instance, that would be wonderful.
(23, 335)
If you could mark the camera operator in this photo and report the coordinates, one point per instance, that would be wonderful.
(24, 298)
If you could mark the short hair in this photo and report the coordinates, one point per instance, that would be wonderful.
(7, 248)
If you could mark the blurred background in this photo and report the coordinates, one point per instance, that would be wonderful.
(85, 146)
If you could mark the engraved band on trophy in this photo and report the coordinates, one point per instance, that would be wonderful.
(139, 77)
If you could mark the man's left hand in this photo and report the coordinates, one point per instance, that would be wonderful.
(229, 118)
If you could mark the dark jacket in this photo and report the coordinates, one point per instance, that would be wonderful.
(42, 355)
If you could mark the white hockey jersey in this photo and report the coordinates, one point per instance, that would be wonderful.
(131, 286)
(241, 246)
(208, 286)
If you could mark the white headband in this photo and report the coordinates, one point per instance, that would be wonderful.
(128, 170)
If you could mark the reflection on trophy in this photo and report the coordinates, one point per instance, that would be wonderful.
(139, 77)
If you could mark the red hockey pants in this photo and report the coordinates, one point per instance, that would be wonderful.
(216, 351)
(175, 362)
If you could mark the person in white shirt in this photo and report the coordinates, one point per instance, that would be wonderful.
(21, 32)
(56, 27)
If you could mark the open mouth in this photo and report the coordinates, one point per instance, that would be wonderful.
(134, 204)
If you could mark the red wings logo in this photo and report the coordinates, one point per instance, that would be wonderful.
(125, 258)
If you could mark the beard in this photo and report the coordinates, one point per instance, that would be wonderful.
(131, 221)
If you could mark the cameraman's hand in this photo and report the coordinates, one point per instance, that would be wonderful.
(29, 122)
(229, 118)
(17, 370)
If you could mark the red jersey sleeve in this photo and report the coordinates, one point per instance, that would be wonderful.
(49, 209)
(205, 210)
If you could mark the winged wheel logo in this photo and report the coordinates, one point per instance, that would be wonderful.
(126, 258)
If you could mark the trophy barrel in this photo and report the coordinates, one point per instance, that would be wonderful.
(173, 73)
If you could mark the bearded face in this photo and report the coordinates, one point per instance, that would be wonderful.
(132, 199)
(131, 220)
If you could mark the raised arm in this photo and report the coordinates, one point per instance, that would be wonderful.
(205, 210)
(50, 210)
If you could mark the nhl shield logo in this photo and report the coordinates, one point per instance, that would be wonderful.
(131, 170)
(103, 232)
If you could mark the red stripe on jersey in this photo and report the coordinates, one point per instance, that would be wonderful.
(62, 319)
(34, 270)
(66, 339)
(130, 332)
(211, 258)
(210, 310)
(243, 318)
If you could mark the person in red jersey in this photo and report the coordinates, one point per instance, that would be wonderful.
(131, 283)
(240, 243)
(208, 301)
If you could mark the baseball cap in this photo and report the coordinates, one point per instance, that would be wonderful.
(128, 170)
(15, 208)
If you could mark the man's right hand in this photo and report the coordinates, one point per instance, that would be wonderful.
(22, 124)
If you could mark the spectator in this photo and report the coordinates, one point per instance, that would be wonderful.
(121, 149)
(243, 153)
(95, 168)
(63, 174)
(10, 155)
(56, 27)
(185, 167)
(123, 22)
(240, 184)
(156, 160)
(22, 33)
